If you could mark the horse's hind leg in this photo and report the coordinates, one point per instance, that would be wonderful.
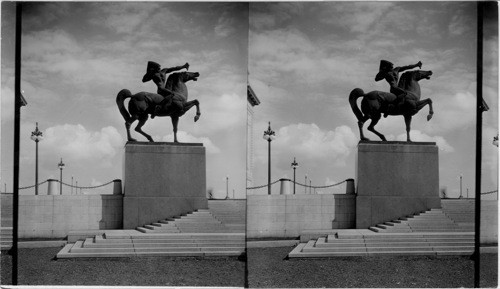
(408, 127)
(175, 122)
(371, 127)
(361, 122)
(128, 124)
(142, 120)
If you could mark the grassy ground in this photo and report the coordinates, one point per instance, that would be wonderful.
(267, 268)
(38, 267)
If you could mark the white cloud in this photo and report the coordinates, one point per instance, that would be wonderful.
(308, 141)
(417, 136)
(185, 137)
(77, 143)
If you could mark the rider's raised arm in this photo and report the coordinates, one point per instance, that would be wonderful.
(175, 68)
(403, 68)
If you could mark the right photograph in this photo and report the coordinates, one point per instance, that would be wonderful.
(372, 145)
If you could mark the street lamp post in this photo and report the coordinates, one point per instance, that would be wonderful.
(295, 165)
(305, 186)
(36, 136)
(61, 166)
(227, 187)
(269, 135)
(460, 186)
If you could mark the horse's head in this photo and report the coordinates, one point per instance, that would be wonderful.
(186, 76)
(421, 74)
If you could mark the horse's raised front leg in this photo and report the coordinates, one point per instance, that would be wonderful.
(371, 127)
(408, 127)
(422, 103)
(175, 122)
(142, 120)
(190, 104)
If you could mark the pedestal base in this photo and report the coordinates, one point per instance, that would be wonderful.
(395, 179)
(162, 180)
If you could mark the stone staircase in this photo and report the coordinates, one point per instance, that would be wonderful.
(6, 211)
(135, 244)
(5, 238)
(433, 233)
(387, 244)
(434, 220)
(217, 231)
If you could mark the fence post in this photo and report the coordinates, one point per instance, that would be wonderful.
(117, 187)
(284, 187)
(52, 187)
(349, 187)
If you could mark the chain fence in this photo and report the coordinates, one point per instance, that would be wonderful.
(491, 192)
(68, 185)
(305, 186)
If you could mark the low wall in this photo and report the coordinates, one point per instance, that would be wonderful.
(489, 222)
(281, 216)
(54, 216)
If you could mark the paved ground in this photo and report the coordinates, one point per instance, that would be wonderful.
(38, 267)
(267, 268)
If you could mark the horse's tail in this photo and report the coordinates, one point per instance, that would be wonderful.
(120, 99)
(353, 96)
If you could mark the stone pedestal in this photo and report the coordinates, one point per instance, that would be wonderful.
(162, 180)
(395, 179)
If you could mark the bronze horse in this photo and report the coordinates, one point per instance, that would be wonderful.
(142, 104)
(375, 103)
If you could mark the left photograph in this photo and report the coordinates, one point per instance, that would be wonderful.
(132, 143)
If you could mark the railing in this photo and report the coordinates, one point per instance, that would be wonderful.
(52, 187)
(305, 187)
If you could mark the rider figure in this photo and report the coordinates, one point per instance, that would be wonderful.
(159, 77)
(391, 75)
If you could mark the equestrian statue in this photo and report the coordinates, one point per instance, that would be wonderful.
(171, 98)
(403, 98)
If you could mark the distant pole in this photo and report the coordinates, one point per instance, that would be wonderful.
(61, 166)
(295, 165)
(305, 185)
(227, 187)
(71, 184)
(479, 134)
(461, 186)
(310, 186)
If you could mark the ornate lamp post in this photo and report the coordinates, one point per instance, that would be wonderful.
(36, 136)
(269, 135)
(61, 166)
(295, 165)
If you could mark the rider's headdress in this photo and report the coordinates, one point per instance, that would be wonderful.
(152, 68)
(384, 66)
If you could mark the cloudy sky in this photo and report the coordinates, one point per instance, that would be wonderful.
(305, 58)
(77, 56)
(302, 59)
